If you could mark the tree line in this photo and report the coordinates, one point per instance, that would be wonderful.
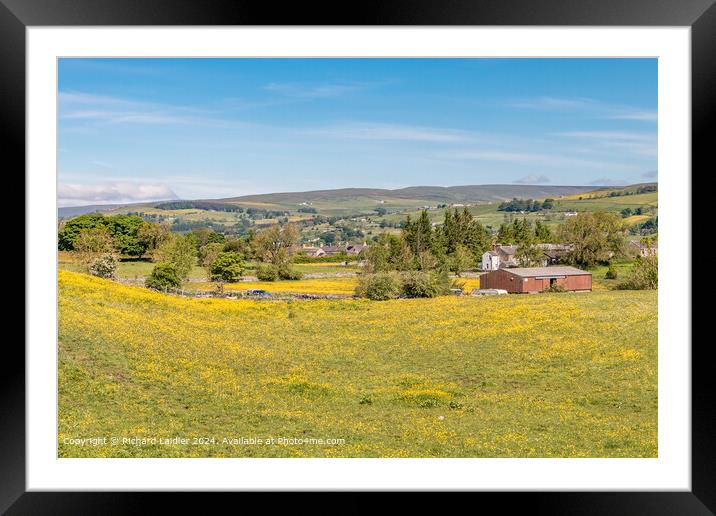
(99, 240)
(526, 205)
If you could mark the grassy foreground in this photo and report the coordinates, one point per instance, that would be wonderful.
(548, 375)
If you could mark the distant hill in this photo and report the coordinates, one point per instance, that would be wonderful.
(74, 211)
(355, 200)
(441, 194)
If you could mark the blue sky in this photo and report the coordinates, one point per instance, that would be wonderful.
(148, 129)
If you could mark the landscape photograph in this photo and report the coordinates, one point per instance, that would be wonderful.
(357, 257)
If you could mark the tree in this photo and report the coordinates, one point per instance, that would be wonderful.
(163, 276)
(389, 252)
(209, 253)
(594, 237)
(460, 259)
(202, 236)
(267, 272)
(528, 254)
(425, 284)
(238, 245)
(460, 229)
(644, 274)
(152, 235)
(380, 286)
(418, 234)
(522, 231)
(273, 245)
(90, 243)
(180, 251)
(125, 232)
(227, 266)
(103, 266)
(542, 233)
(505, 234)
(71, 229)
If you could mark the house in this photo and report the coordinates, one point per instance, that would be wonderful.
(356, 249)
(312, 251)
(644, 248)
(555, 253)
(537, 279)
(330, 250)
(502, 256)
(490, 261)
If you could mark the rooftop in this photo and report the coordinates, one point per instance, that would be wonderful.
(546, 271)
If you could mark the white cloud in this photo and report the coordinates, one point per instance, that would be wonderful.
(643, 144)
(312, 91)
(643, 116)
(80, 106)
(375, 131)
(606, 181)
(554, 103)
(651, 174)
(69, 194)
(610, 135)
(532, 179)
(530, 158)
(592, 107)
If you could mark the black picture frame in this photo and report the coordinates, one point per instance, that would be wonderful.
(17, 15)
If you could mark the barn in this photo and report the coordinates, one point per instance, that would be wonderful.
(537, 279)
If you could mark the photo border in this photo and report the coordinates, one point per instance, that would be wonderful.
(16, 15)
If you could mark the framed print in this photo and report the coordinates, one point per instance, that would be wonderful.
(271, 252)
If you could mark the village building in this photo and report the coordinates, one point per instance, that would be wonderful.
(537, 279)
(312, 251)
(356, 249)
(330, 250)
(499, 257)
(644, 249)
(502, 256)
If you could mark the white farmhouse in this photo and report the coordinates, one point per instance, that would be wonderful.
(490, 261)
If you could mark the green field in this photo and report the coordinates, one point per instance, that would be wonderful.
(547, 375)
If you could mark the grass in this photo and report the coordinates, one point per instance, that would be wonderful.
(325, 268)
(548, 375)
(331, 286)
(599, 282)
(126, 269)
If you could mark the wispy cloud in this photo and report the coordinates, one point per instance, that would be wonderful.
(69, 194)
(530, 158)
(610, 135)
(100, 163)
(651, 174)
(607, 181)
(100, 108)
(591, 107)
(532, 179)
(644, 116)
(313, 91)
(392, 132)
(643, 144)
(554, 103)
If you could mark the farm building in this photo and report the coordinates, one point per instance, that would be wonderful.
(644, 248)
(537, 279)
(356, 249)
(501, 256)
(312, 251)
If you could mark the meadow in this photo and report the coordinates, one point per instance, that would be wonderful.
(547, 375)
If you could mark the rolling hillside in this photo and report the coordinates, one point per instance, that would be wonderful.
(353, 200)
